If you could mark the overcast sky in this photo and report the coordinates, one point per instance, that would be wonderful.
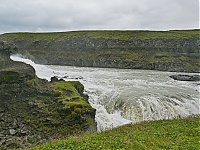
(67, 15)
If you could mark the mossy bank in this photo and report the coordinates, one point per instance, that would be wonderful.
(33, 110)
(176, 50)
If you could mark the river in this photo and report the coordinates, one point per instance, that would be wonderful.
(122, 96)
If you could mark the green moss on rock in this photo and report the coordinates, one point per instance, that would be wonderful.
(39, 112)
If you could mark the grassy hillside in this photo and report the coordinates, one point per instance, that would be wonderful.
(176, 50)
(183, 134)
(105, 34)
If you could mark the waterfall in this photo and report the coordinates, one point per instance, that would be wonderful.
(122, 96)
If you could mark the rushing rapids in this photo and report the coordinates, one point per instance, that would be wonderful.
(121, 96)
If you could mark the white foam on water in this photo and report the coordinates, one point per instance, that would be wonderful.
(121, 96)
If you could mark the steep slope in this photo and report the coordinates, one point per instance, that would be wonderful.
(33, 110)
(166, 50)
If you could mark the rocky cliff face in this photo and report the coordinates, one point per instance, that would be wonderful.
(33, 111)
(168, 51)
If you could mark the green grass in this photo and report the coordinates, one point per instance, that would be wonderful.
(180, 134)
(35, 38)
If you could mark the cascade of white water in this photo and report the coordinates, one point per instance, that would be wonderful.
(121, 96)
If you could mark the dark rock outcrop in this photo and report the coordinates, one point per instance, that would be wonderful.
(181, 77)
(54, 79)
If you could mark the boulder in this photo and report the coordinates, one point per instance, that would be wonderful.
(54, 79)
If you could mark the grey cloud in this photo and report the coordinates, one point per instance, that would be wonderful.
(63, 15)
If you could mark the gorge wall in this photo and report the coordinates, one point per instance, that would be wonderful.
(33, 110)
(176, 50)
